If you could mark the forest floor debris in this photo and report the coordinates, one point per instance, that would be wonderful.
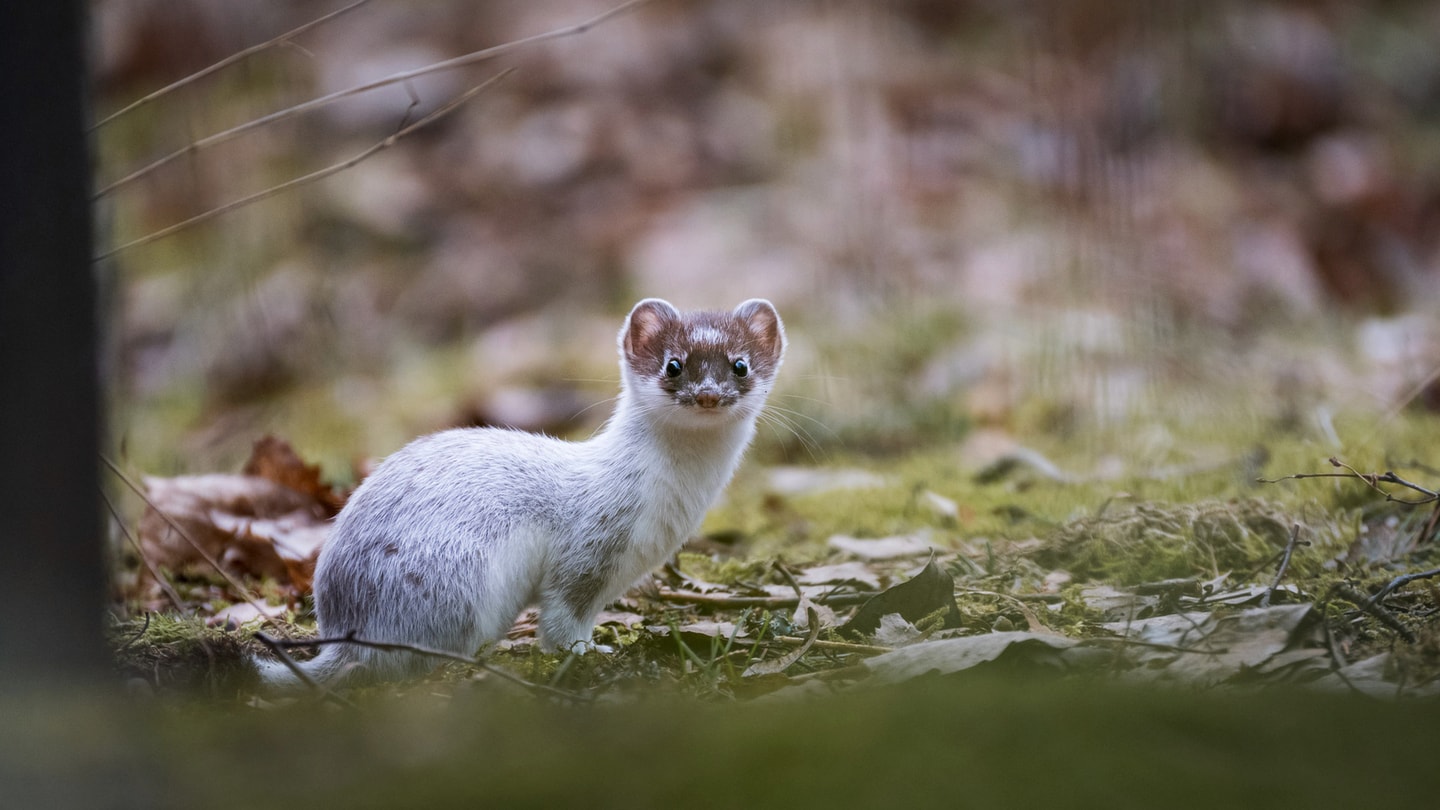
(1209, 594)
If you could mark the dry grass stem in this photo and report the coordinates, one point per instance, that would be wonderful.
(226, 62)
(309, 178)
(304, 107)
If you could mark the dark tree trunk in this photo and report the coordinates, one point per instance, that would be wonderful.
(51, 569)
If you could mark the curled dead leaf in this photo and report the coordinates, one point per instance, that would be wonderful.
(250, 525)
(273, 458)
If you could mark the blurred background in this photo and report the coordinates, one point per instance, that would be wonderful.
(1098, 226)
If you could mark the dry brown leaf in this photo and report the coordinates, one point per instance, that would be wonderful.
(251, 525)
(274, 459)
(242, 612)
(884, 548)
(955, 654)
(845, 573)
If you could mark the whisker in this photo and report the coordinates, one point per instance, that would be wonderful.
(776, 421)
(790, 412)
(593, 405)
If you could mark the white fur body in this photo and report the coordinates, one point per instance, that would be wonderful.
(456, 533)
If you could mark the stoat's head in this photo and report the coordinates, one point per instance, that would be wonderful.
(699, 369)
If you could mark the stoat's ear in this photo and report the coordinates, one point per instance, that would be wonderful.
(647, 322)
(760, 317)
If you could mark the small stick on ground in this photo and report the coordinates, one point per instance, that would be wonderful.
(1284, 563)
(779, 665)
(1373, 480)
(278, 646)
(1400, 582)
(352, 638)
(836, 646)
(768, 602)
(1377, 610)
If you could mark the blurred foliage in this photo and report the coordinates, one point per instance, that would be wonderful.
(1047, 218)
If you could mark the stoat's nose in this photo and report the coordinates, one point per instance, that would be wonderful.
(707, 399)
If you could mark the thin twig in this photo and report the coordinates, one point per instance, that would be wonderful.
(352, 638)
(837, 646)
(226, 62)
(768, 602)
(140, 552)
(278, 646)
(1428, 528)
(789, 579)
(290, 112)
(779, 665)
(139, 634)
(244, 592)
(309, 178)
(1284, 563)
(1400, 582)
(1373, 480)
(1377, 610)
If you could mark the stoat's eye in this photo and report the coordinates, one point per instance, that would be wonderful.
(673, 367)
(741, 368)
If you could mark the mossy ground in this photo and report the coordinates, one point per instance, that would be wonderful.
(1008, 533)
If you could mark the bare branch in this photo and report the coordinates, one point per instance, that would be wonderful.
(1376, 609)
(1284, 563)
(289, 112)
(309, 178)
(1400, 582)
(226, 62)
(278, 646)
(1372, 480)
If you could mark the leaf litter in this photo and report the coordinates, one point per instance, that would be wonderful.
(1168, 593)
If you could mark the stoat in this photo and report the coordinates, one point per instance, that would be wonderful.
(456, 533)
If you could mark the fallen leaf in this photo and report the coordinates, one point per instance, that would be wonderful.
(927, 592)
(273, 458)
(792, 481)
(702, 630)
(250, 525)
(1118, 605)
(941, 506)
(1207, 648)
(845, 573)
(621, 618)
(807, 612)
(955, 654)
(884, 548)
(242, 612)
(895, 631)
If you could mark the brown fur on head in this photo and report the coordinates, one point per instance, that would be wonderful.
(704, 359)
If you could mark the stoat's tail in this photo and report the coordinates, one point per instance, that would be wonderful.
(327, 669)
